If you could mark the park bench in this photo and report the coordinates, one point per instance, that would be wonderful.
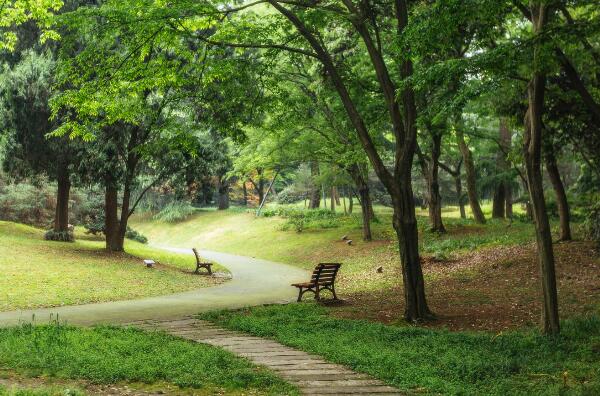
(200, 264)
(323, 278)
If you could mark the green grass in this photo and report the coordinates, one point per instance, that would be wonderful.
(437, 361)
(39, 273)
(107, 355)
(40, 391)
(239, 231)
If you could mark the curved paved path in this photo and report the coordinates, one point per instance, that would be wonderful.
(254, 282)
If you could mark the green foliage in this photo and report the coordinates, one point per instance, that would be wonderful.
(108, 355)
(436, 361)
(26, 203)
(175, 212)
(301, 219)
(17, 12)
(135, 235)
(60, 236)
(592, 223)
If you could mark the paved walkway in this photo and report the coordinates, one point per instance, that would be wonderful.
(312, 374)
(254, 282)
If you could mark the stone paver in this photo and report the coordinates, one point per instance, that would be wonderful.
(312, 374)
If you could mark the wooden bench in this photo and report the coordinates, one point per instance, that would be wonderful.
(323, 278)
(200, 264)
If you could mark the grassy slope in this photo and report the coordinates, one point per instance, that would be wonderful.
(241, 232)
(106, 355)
(437, 361)
(38, 273)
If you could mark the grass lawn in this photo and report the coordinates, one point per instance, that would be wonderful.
(126, 356)
(420, 360)
(38, 273)
(477, 276)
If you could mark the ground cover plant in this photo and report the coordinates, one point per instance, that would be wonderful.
(107, 355)
(424, 361)
(38, 273)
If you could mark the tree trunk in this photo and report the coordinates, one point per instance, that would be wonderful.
(315, 192)
(405, 225)
(509, 201)
(561, 196)
(502, 166)
(459, 197)
(223, 194)
(471, 176)
(365, 200)
(336, 194)
(111, 222)
(435, 199)
(350, 201)
(61, 218)
(333, 200)
(532, 147)
(499, 201)
(245, 192)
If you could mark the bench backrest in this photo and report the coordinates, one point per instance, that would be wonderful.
(197, 255)
(325, 273)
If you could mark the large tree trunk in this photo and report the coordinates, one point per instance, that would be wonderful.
(315, 192)
(223, 194)
(509, 201)
(471, 176)
(61, 218)
(111, 221)
(532, 148)
(433, 185)
(405, 225)
(500, 192)
(561, 196)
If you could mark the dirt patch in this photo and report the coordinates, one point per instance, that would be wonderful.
(491, 289)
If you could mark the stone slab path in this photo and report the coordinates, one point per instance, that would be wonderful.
(312, 374)
(254, 282)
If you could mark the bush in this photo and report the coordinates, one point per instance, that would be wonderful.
(592, 224)
(301, 219)
(290, 195)
(135, 235)
(60, 236)
(27, 204)
(175, 212)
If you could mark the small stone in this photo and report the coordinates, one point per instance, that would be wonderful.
(149, 263)
(379, 270)
(349, 242)
(345, 237)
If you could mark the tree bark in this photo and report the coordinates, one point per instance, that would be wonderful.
(433, 185)
(61, 218)
(471, 176)
(459, 197)
(315, 192)
(223, 194)
(245, 192)
(561, 196)
(333, 200)
(350, 201)
(111, 222)
(502, 167)
(509, 201)
(365, 200)
(532, 147)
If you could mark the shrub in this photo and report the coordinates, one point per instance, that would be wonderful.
(60, 236)
(592, 224)
(301, 219)
(290, 195)
(28, 204)
(175, 211)
(135, 235)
